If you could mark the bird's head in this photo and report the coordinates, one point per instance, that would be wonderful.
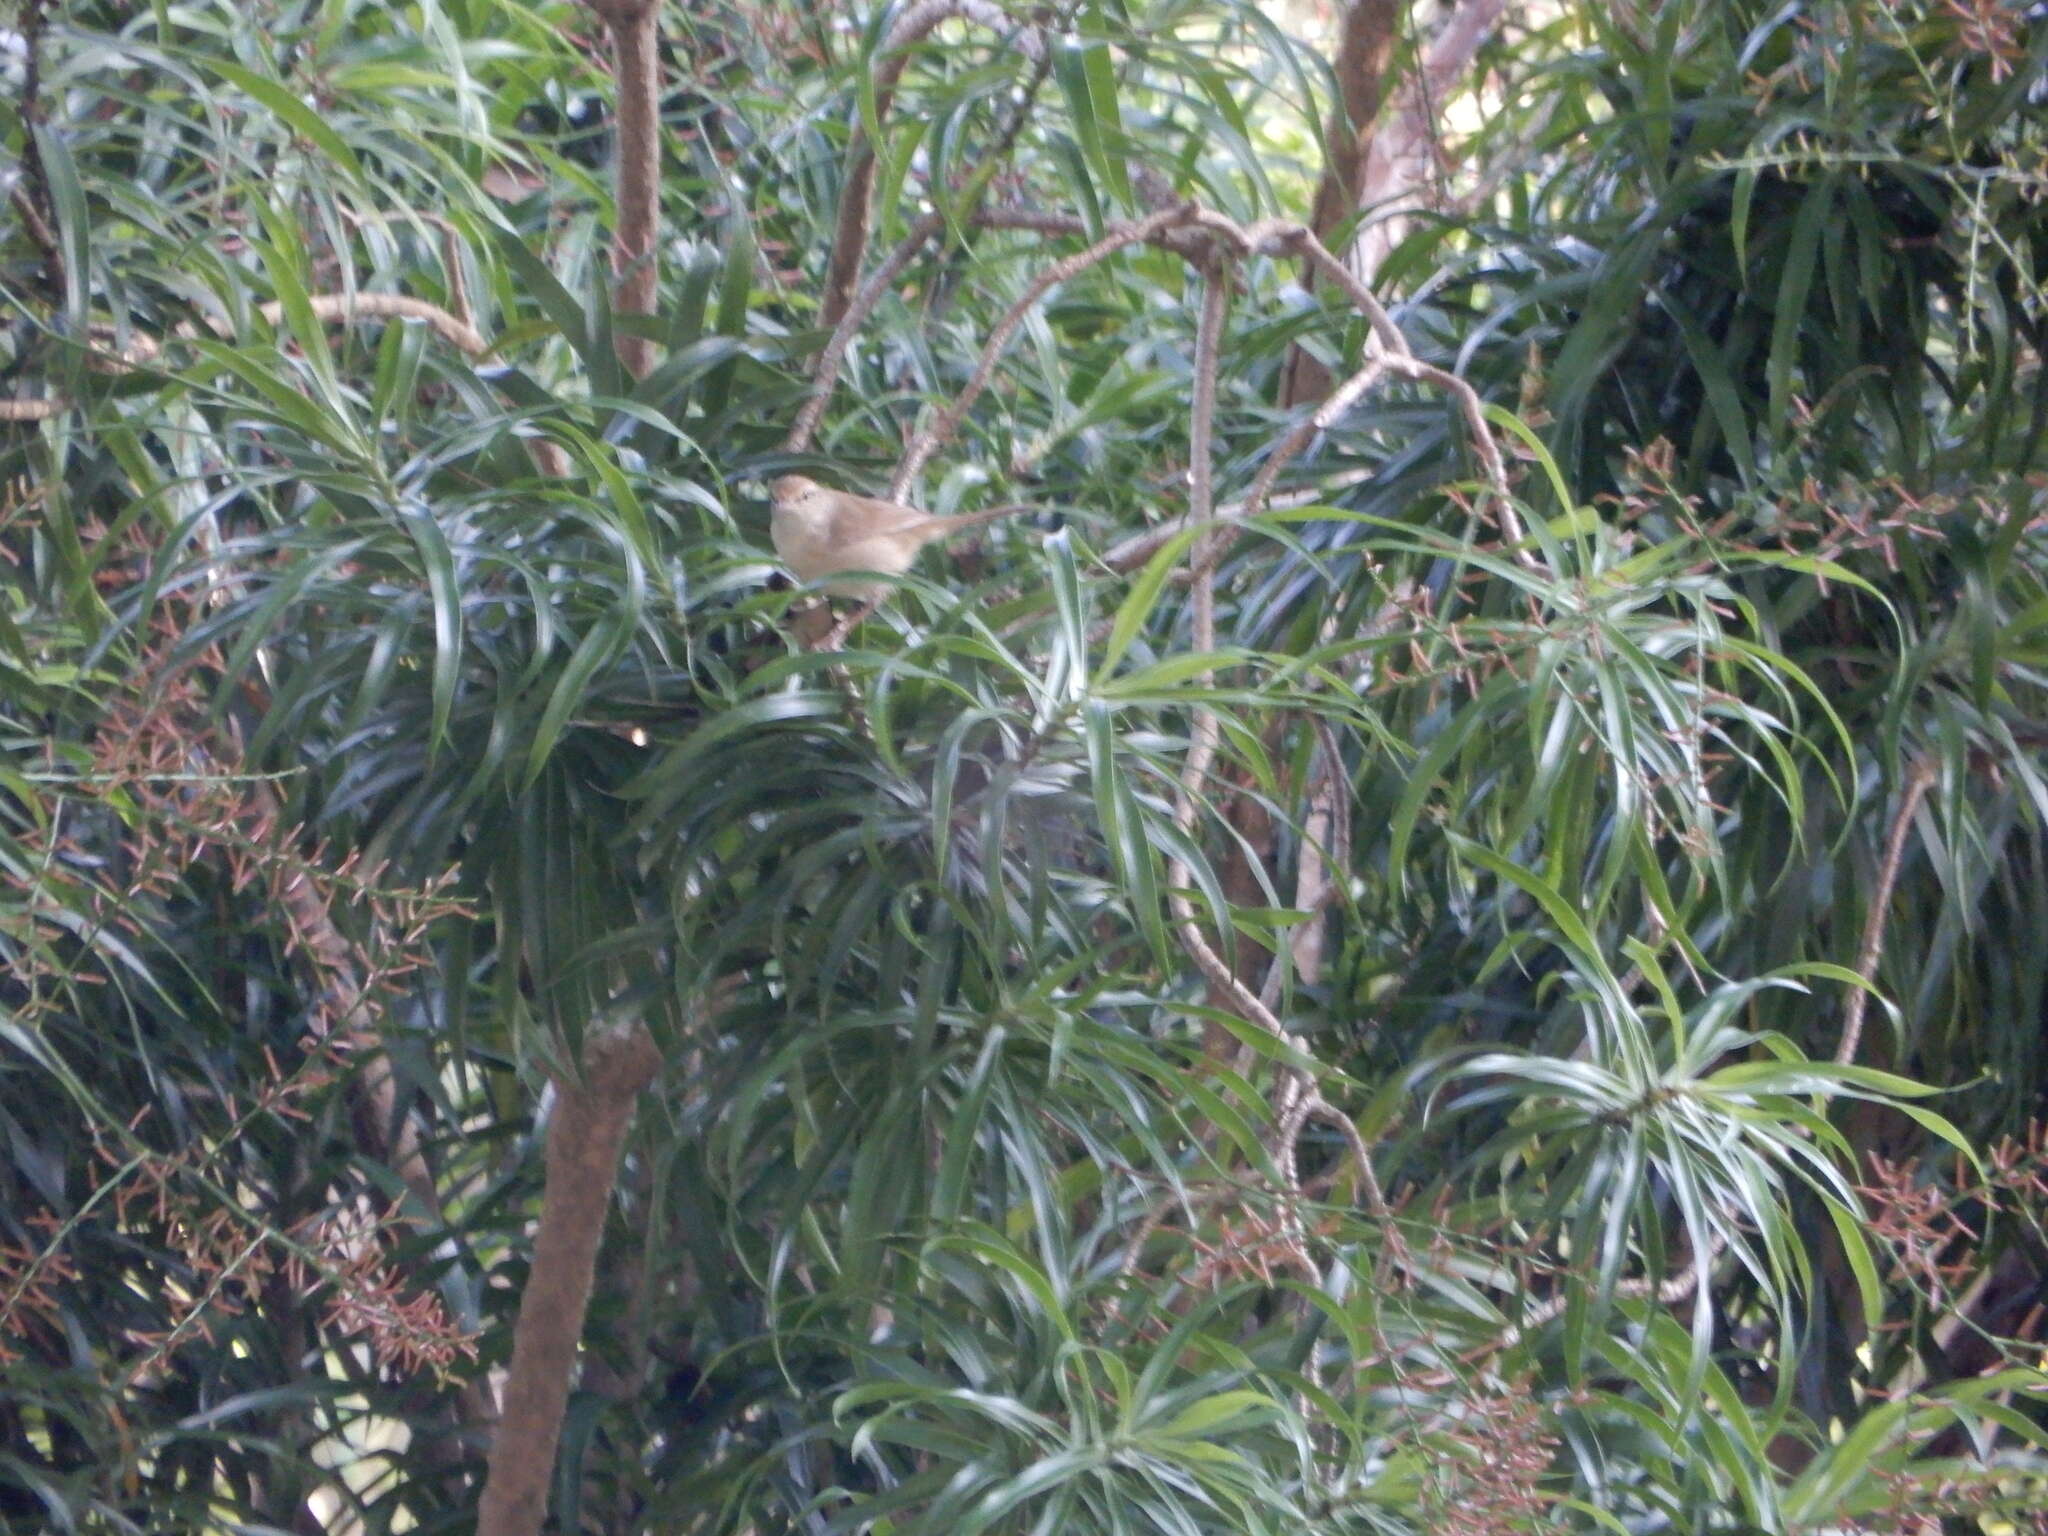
(799, 496)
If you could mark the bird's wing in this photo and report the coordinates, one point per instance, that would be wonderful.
(922, 524)
(847, 523)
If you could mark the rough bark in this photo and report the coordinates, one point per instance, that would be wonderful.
(588, 1131)
(1383, 157)
(637, 188)
(1401, 172)
(1365, 49)
(584, 1141)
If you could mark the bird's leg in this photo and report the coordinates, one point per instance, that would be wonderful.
(837, 638)
(811, 623)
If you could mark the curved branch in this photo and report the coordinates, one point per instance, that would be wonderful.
(825, 371)
(1399, 359)
(829, 360)
(335, 308)
(451, 250)
(1919, 779)
(1366, 36)
(850, 237)
(1192, 232)
(1303, 432)
(340, 308)
(1205, 732)
(1387, 352)
(928, 441)
(22, 408)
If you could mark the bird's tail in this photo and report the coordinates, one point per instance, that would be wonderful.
(987, 514)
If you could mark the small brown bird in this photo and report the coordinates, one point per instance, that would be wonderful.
(820, 532)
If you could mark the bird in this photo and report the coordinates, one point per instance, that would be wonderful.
(821, 533)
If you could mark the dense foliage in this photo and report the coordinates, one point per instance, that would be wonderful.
(389, 704)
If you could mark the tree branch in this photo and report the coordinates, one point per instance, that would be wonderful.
(1919, 779)
(636, 193)
(1408, 146)
(825, 372)
(584, 1141)
(1366, 36)
(829, 360)
(928, 441)
(32, 196)
(850, 237)
(335, 308)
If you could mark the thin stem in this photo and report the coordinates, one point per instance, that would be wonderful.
(1919, 778)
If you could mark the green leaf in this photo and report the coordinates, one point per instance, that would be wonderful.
(735, 303)
(1208, 1414)
(1106, 119)
(74, 225)
(444, 588)
(1789, 315)
(304, 121)
(556, 302)
(1136, 609)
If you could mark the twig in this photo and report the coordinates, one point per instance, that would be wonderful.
(1668, 1293)
(850, 237)
(928, 441)
(335, 308)
(1204, 731)
(1919, 778)
(1191, 243)
(38, 227)
(1388, 352)
(825, 371)
(340, 308)
(39, 207)
(1326, 415)
(1293, 1099)
(1128, 554)
(1328, 823)
(826, 376)
(1402, 360)
(23, 408)
(459, 303)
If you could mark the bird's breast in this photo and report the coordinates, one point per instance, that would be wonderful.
(805, 548)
